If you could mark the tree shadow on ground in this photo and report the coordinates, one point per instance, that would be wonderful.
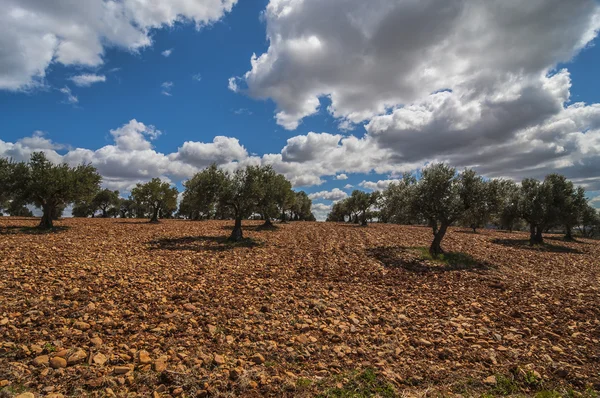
(546, 247)
(27, 230)
(562, 239)
(201, 243)
(467, 231)
(257, 228)
(417, 259)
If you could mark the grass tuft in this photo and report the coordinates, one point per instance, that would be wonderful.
(362, 385)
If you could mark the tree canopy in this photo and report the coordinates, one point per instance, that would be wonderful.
(158, 197)
(52, 187)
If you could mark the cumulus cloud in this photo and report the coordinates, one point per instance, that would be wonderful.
(369, 57)
(568, 143)
(341, 177)
(377, 185)
(70, 98)
(87, 79)
(36, 33)
(334, 194)
(320, 210)
(167, 53)
(221, 151)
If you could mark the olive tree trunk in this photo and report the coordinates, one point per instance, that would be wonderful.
(47, 216)
(535, 235)
(154, 218)
(237, 234)
(436, 246)
(568, 233)
(268, 223)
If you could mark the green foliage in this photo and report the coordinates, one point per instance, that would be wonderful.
(105, 200)
(52, 187)
(452, 259)
(202, 193)
(555, 201)
(156, 196)
(362, 385)
(275, 193)
(480, 199)
(507, 200)
(396, 202)
(17, 208)
(241, 191)
(590, 222)
(505, 385)
(82, 209)
(301, 208)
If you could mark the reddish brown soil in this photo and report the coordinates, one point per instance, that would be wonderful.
(317, 301)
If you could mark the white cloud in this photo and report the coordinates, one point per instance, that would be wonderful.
(197, 77)
(348, 186)
(568, 143)
(320, 210)
(377, 185)
(70, 97)
(341, 177)
(167, 53)
(134, 136)
(87, 79)
(221, 151)
(36, 33)
(334, 194)
(166, 88)
(232, 84)
(368, 57)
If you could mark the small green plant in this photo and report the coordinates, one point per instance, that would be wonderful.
(453, 259)
(548, 394)
(505, 385)
(531, 379)
(362, 385)
(303, 383)
(49, 347)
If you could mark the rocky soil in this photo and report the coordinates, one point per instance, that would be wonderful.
(125, 308)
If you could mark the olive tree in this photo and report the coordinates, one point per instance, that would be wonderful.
(202, 193)
(535, 205)
(301, 208)
(83, 209)
(397, 200)
(589, 224)
(362, 203)
(338, 212)
(507, 196)
(53, 186)
(568, 202)
(482, 199)
(6, 172)
(105, 200)
(156, 196)
(240, 193)
(274, 194)
(438, 199)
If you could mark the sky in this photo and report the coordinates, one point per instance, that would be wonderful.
(336, 95)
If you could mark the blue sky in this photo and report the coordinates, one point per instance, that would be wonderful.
(362, 94)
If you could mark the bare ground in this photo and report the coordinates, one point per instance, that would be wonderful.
(137, 309)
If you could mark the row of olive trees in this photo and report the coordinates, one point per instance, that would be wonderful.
(219, 194)
(52, 187)
(442, 197)
(212, 193)
(154, 199)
